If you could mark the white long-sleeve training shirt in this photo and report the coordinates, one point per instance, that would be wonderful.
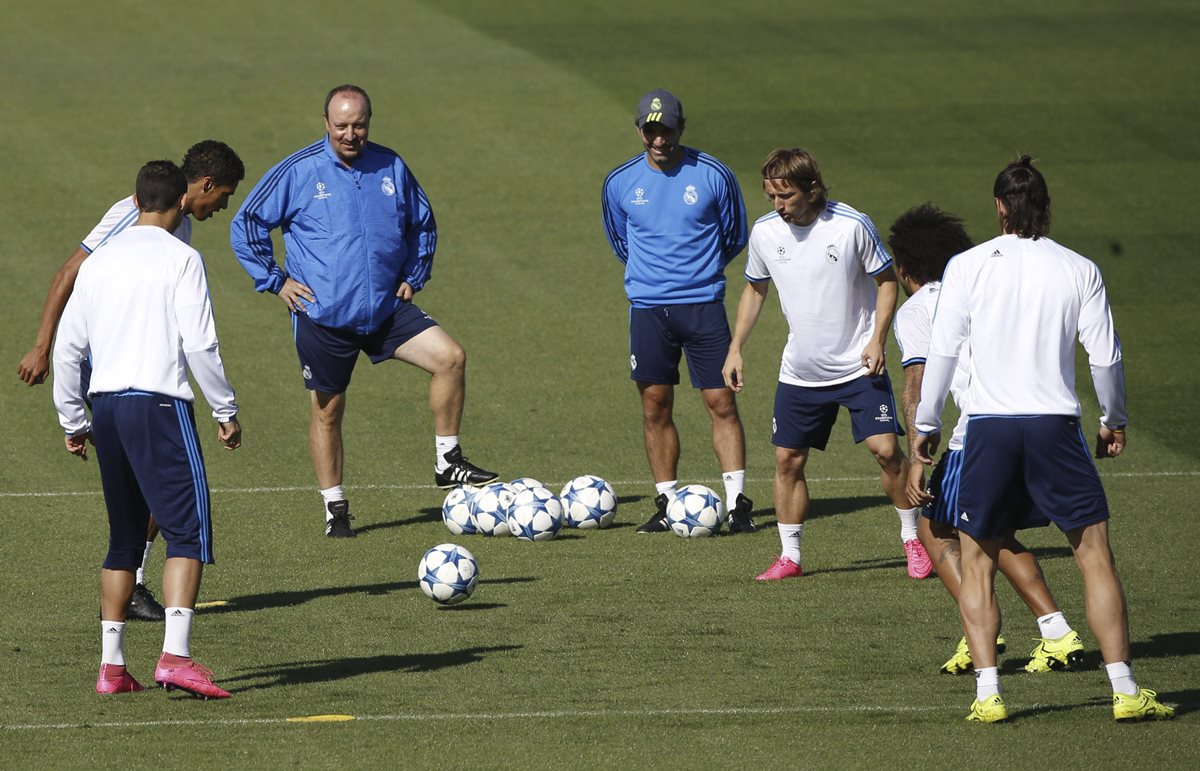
(1020, 304)
(141, 310)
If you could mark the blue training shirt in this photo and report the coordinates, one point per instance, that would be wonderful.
(352, 235)
(674, 230)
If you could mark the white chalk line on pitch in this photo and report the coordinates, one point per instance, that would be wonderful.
(617, 483)
(415, 717)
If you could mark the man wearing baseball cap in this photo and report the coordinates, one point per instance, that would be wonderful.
(675, 218)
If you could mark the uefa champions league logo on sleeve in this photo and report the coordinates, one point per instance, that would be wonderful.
(690, 196)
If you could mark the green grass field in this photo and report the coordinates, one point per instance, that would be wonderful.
(600, 649)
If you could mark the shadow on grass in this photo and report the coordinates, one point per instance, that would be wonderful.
(1183, 701)
(251, 602)
(884, 563)
(1166, 645)
(1050, 552)
(428, 514)
(327, 670)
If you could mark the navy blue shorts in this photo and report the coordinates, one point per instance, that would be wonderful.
(804, 415)
(150, 460)
(659, 336)
(944, 486)
(328, 355)
(1043, 459)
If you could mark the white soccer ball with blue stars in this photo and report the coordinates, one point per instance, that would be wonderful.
(456, 510)
(448, 574)
(489, 509)
(588, 502)
(536, 515)
(524, 483)
(695, 512)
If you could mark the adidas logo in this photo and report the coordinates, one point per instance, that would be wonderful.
(176, 613)
(964, 517)
(997, 253)
(112, 630)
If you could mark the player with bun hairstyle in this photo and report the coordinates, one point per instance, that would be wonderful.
(1017, 303)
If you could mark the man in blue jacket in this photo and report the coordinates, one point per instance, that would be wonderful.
(359, 237)
(675, 218)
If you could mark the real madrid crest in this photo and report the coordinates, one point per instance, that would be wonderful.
(690, 196)
(387, 186)
(831, 253)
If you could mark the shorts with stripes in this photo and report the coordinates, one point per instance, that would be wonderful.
(944, 486)
(150, 460)
(1014, 463)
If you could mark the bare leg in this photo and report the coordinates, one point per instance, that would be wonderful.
(1103, 594)
(1022, 570)
(116, 587)
(893, 467)
(728, 436)
(941, 543)
(439, 354)
(977, 600)
(791, 487)
(658, 427)
(181, 582)
(325, 437)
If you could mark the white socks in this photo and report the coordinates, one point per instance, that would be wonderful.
(112, 643)
(908, 523)
(735, 484)
(987, 682)
(1121, 677)
(789, 538)
(335, 493)
(141, 572)
(177, 638)
(444, 445)
(665, 487)
(1053, 626)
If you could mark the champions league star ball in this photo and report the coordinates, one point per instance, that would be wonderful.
(695, 512)
(524, 483)
(536, 515)
(448, 574)
(588, 502)
(489, 509)
(456, 511)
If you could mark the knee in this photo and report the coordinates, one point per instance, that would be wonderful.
(722, 405)
(889, 457)
(452, 359)
(789, 464)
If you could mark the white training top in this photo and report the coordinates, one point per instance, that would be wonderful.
(121, 215)
(141, 310)
(1019, 304)
(824, 273)
(913, 325)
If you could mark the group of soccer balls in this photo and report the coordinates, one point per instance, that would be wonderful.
(525, 508)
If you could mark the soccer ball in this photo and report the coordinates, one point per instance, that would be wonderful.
(536, 515)
(489, 509)
(588, 502)
(448, 574)
(695, 512)
(523, 483)
(456, 511)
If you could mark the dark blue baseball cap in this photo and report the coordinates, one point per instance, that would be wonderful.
(660, 106)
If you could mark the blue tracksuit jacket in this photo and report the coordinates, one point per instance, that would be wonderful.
(351, 235)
